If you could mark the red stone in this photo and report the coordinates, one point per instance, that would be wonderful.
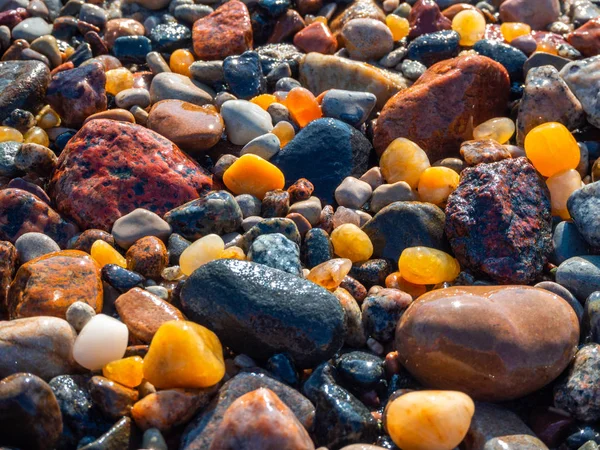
(316, 38)
(13, 17)
(425, 17)
(441, 109)
(226, 31)
(586, 38)
(110, 168)
(286, 26)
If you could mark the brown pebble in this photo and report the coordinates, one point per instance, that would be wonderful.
(316, 37)
(122, 115)
(148, 257)
(88, 237)
(113, 399)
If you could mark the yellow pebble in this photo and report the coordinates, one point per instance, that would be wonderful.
(10, 134)
(206, 249)
(429, 420)
(36, 135)
(47, 118)
(424, 265)
(184, 355)
(284, 131)
(436, 184)
(330, 273)
(251, 174)
(470, 24)
(561, 186)
(499, 129)
(551, 148)
(180, 61)
(233, 253)
(118, 80)
(105, 254)
(399, 26)
(127, 371)
(512, 30)
(264, 100)
(403, 160)
(351, 242)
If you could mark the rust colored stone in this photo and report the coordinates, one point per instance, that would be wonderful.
(64, 66)
(8, 266)
(113, 399)
(144, 313)
(441, 109)
(22, 212)
(302, 224)
(286, 26)
(302, 189)
(316, 38)
(483, 151)
(586, 38)
(48, 285)
(493, 343)
(85, 27)
(116, 28)
(226, 31)
(13, 17)
(425, 17)
(122, 115)
(148, 257)
(86, 239)
(14, 51)
(144, 170)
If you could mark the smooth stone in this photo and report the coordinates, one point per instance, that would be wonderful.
(137, 224)
(564, 293)
(169, 86)
(567, 243)
(93, 14)
(22, 86)
(132, 48)
(8, 153)
(583, 205)
(354, 10)
(78, 314)
(42, 346)
(118, 27)
(276, 251)
(354, 336)
(412, 70)
(130, 97)
(360, 369)
(316, 248)
(47, 46)
(244, 76)
(35, 158)
(245, 121)
(351, 107)
(113, 399)
(539, 59)
(429, 49)
(386, 194)
(123, 434)
(516, 442)
(580, 275)
(510, 57)
(265, 146)
(353, 193)
(582, 78)
(190, 13)
(156, 63)
(154, 440)
(121, 115)
(537, 15)
(314, 334)
(8, 265)
(32, 245)
(310, 209)
(31, 29)
(249, 205)
(102, 340)
(272, 225)
(367, 39)
(505, 342)
(208, 72)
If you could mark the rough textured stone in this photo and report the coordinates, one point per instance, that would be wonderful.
(582, 78)
(22, 85)
(473, 88)
(498, 221)
(483, 151)
(8, 266)
(145, 171)
(493, 343)
(586, 38)
(583, 205)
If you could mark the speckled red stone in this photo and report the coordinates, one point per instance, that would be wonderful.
(110, 168)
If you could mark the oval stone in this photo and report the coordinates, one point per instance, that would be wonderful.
(261, 311)
(493, 343)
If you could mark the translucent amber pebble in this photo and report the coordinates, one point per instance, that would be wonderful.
(551, 148)
(205, 249)
(399, 26)
(436, 184)
(351, 242)
(251, 174)
(180, 61)
(47, 118)
(127, 371)
(264, 100)
(284, 131)
(233, 253)
(303, 106)
(403, 160)
(10, 134)
(118, 80)
(330, 273)
(470, 24)
(394, 280)
(499, 129)
(561, 186)
(512, 30)
(547, 47)
(36, 135)
(105, 254)
(429, 420)
(424, 265)
(184, 355)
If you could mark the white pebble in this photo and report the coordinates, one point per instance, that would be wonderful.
(102, 340)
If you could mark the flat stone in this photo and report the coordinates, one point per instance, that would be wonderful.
(22, 86)
(353, 108)
(33, 245)
(537, 15)
(265, 146)
(276, 251)
(31, 29)
(367, 39)
(567, 243)
(539, 59)
(137, 224)
(173, 86)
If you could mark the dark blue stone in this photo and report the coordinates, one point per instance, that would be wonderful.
(177, 244)
(272, 55)
(360, 369)
(510, 57)
(316, 248)
(121, 279)
(132, 48)
(244, 75)
(168, 37)
(262, 26)
(434, 47)
(62, 140)
(567, 242)
(82, 53)
(274, 8)
(282, 368)
(581, 436)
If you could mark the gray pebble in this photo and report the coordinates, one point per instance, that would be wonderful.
(564, 293)
(223, 163)
(393, 58)
(310, 209)
(159, 291)
(138, 224)
(33, 245)
(131, 97)
(390, 193)
(250, 221)
(153, 440)
(31, 29)
(351, 107)
(580, 275)
(279, 113)
(78, 314)
(353, 193)
(168, 85)
(265, 146)
(8, 152)
(276, 251)
(249, 204)
(209, 72)
(93, 14)
(4, 37)
(223, 97)
(140, 114)
(157, 63)
(47, 46)
(584, 207)
(412, 69)
(231, 237)
(373, 176)
(567, 243)
(190, 13)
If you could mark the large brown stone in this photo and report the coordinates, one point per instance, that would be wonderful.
(110, 168)
(493, 343)
(226, 31)
(538, 14)
(441, 109)
(48, 285)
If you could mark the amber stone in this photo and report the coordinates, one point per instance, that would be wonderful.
(494, 343)
(48, 285)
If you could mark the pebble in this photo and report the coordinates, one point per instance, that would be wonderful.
(102, 340)
(137, 224)
(174, 86)
(148, 257)
(580, 275)
(581, 79)
(387, 194)
(32, 245)
(382, 311)
(78, 314)
(245, 121)
(581, 205)
(31, 29)
(265, 146)
(23, 86)
(243, 75)
(538, 16)
(567, 243)
(352, 193)
(510, 57)
(351, 107)
(367, 39)
(128, 98)
(276, 251)
(316, 37)
(35, 158)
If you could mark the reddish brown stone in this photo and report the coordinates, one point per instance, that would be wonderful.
(586, 38)
(12, 17)
(316, 38)
(193, 128)
(78, 93)
(453, 10)
(144, 313)
(14, 51)
(302, 189)
(547, 36)
(148, 257)
(115, 28)
(63, 67)
(425, 17)
(483, 151)
(22, 212)
(113, 399)
(85, 27)
(305, 7)
(226, 31)
(286, 26)
(302, 224)
(48, 285)
(86, 239)
(110, 168)
(8, 266)
(537, 14)
(493, 343)
(357, 9)
(261, 420)
(441, 109)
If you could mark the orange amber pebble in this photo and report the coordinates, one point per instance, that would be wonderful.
(104, 253)
(551, 148)
(436, 184)
(118, 80)
(180, 61)
(561, 186)
(547, 47)
(47, 118)
(330, 273)
(403, 160)
(512, 30)
(395, 281)
(10, 134)
(351, 242)
(233, 253)
(470, 25)
(251, 174)
(284, 131)
(264, 100)
(36, 135)
(399, 26)
(424, 265)
(127, 371)
(303, 106)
